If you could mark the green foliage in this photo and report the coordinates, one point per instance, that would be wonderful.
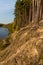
(21, 13)
(10, 27)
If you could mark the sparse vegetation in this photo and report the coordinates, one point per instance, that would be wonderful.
(26, 46)
(1, 44)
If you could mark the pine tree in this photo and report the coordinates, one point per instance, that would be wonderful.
(28, 11)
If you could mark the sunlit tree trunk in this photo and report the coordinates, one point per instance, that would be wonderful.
(25, 15)
(42, 8)
(40, 14)
(33, 10)
(30, 14)
(36, 10)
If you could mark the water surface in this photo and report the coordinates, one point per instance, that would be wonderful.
(3, 32)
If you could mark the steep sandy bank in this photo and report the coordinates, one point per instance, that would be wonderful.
(26, 47)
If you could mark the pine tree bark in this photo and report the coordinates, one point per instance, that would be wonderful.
(36, 10)
(29, 14)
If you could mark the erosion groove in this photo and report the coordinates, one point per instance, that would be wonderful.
(26, 47)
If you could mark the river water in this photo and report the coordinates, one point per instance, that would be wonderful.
(3, 32)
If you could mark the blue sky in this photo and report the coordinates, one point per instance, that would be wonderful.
(6, 11)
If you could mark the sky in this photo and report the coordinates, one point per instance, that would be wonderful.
(6, 11)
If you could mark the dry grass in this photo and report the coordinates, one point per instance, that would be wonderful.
(26, 47)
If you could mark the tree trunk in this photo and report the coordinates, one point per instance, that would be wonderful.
(36, 10)
(33, 10)
(30, 13)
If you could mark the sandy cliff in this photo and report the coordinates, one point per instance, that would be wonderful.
(26, 47)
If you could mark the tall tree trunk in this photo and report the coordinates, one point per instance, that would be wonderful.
(38, 10)
(40, 14)
(33, 10)
(25, 16)
(30, 13)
